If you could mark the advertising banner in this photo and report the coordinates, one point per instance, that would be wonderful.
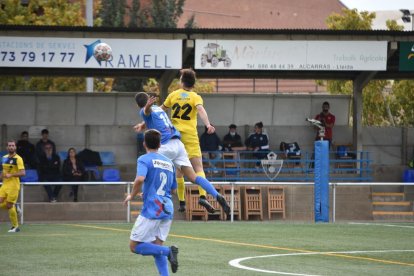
(291, 55)
(406, 56)
(51, 52)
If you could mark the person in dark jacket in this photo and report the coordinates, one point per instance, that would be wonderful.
(49, 171)
(42, 143)
(73, 171)
(258, 142)
(232, 139)
(27, 151)
(210, 145)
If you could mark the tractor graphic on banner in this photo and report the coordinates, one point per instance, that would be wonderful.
(214, 53)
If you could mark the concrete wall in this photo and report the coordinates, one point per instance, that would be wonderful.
(103, 121)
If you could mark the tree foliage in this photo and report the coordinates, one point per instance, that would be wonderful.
(159, 14)
(350, 20)
(375, 101)
(200, 86)
(165, 13)
(43, 12)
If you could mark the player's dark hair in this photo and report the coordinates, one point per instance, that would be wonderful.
(24, 133)
(188, 77)
(152, 138)
(325, 103)
(141, 98)
(45, 131)
(259, 125)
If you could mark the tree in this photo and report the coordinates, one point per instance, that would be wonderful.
(43, 12)
(200, 86)
(165, 13)
(375, 103)
(160, 14)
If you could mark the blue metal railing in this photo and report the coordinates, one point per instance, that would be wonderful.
(355, 167)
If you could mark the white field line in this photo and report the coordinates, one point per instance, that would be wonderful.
(236, 262)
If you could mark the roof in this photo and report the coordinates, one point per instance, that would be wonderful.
(262, 14)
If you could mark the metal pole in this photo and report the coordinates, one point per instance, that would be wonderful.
(129, 203)
(89, 23)
(22, 203)
(232, 202)
(333, 201)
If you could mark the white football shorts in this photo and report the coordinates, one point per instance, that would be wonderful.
(175, 151)
(148, 230)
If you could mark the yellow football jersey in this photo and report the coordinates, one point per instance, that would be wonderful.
(184, 111)
(12, 165)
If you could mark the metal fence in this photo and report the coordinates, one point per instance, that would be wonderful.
(244, 166)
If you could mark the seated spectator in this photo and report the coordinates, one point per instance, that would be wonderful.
(73, 171)
(49, 171)
(258, 142)
(232, 140)
(26, 150)
(42, 142)
(212, 144)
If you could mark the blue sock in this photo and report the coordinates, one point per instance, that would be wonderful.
(147, 248)
(162, 264)
(206, 185)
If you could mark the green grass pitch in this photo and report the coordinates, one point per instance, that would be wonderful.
(207, 248)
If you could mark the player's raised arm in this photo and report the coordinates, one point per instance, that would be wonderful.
(204, 118)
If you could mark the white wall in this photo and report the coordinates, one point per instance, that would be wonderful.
(110, 117)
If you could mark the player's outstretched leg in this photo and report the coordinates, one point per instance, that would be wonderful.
(173, 258)
(162, 264)
(202, 182)
(204, 202)
(223, 203)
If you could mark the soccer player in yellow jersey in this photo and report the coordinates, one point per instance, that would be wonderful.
(13, 168)
(185, 105)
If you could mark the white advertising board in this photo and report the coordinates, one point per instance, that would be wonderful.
(51, 52)
(291, 55)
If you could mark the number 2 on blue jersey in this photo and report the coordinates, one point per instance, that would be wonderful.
(163, 178)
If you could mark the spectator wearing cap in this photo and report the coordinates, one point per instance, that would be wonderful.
(232, 140)
(40, 146)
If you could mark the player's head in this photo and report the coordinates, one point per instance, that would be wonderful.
(258, 127)
(11, 146)
(141, 98)
(188, 77)
(71, 153)
(24, 135)
(325, 107)
(152, 139)
(232, 129)
(45, 134)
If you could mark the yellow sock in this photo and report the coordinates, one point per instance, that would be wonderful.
(181, 189)
(13, 217)
(201, 191)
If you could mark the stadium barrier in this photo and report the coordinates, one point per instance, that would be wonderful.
(23, 184)
(242, 166)
(333, 185)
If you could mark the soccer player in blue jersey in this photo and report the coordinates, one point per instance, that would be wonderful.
(172, 147)
(156, 179)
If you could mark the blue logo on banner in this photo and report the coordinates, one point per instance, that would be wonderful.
(89, 50)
